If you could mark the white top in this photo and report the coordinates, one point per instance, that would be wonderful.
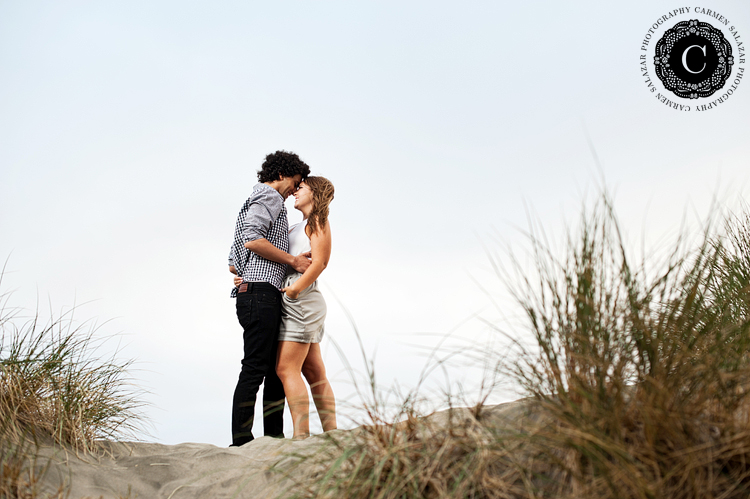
(298, 241)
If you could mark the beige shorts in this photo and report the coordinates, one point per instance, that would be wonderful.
(303, 319)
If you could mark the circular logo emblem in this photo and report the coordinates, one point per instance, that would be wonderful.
(693, 59)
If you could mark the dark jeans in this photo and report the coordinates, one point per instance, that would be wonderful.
(259, 313)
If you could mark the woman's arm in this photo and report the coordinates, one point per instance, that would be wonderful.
(320, 242)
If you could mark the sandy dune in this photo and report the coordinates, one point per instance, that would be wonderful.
(263, 468)
(190, 470)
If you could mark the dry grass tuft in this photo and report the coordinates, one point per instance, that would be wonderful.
(644, 377)
(419, 458)
(54, 389)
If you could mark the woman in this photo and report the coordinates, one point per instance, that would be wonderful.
(304, 309)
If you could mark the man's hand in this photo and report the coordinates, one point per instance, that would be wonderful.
(301, 262)
(237, 281)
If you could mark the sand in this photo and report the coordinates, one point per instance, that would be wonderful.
(189, 470)
(263, 468)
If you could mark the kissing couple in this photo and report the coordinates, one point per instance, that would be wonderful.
(279, 306)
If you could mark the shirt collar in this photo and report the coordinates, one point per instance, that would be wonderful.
(261, 186)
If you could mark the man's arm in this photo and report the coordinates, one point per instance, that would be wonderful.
(261, 215)
(262, 247)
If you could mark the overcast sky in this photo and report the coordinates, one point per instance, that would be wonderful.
(131, 133)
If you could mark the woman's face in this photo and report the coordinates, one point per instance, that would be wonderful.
(303, 197)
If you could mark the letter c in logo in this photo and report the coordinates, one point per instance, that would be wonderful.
(684, 58)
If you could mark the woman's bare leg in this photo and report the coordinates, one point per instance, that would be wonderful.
(289, 362)
(315, 373)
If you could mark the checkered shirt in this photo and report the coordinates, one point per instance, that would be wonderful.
(262, 216)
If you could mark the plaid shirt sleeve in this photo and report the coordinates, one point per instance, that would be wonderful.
(261, 214)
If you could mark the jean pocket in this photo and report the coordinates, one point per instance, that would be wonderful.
(272, 298)
(246, 307)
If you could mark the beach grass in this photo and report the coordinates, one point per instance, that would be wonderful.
(56, 390)
(636, 382)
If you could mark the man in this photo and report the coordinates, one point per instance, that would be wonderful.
(260, 255)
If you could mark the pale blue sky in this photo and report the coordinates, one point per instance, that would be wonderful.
(130, 133)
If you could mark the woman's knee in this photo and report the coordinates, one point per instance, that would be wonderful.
(314, 372)
(284, 371)
(290, 359)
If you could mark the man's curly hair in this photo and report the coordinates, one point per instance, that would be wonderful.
(282, 164)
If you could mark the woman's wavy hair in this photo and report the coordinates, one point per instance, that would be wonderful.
(322, 195)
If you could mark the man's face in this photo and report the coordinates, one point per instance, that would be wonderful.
(289, 185)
